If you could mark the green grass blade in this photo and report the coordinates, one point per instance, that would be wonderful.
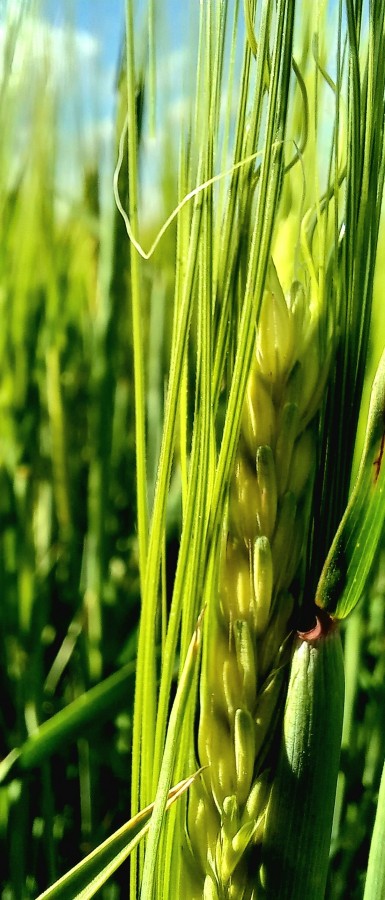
(88, 876)
(170, 752)
(135, 284)
(351, 555)
(375, 879)
(67, 724)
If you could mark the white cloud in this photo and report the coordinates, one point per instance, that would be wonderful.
(33, 48)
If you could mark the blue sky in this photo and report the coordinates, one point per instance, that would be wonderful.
(99, 25)
(82, 41)
(103, 19)
(83, 63)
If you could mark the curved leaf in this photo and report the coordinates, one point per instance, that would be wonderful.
(351, 555)
(89, 875)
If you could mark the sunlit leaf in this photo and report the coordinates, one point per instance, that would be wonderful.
(352, 552)
(91, 873)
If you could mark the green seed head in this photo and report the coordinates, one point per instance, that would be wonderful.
(248, 647)
(275, 336)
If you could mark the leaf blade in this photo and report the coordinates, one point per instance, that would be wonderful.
(351, 554)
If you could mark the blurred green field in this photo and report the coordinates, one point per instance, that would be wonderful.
(69, 556)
